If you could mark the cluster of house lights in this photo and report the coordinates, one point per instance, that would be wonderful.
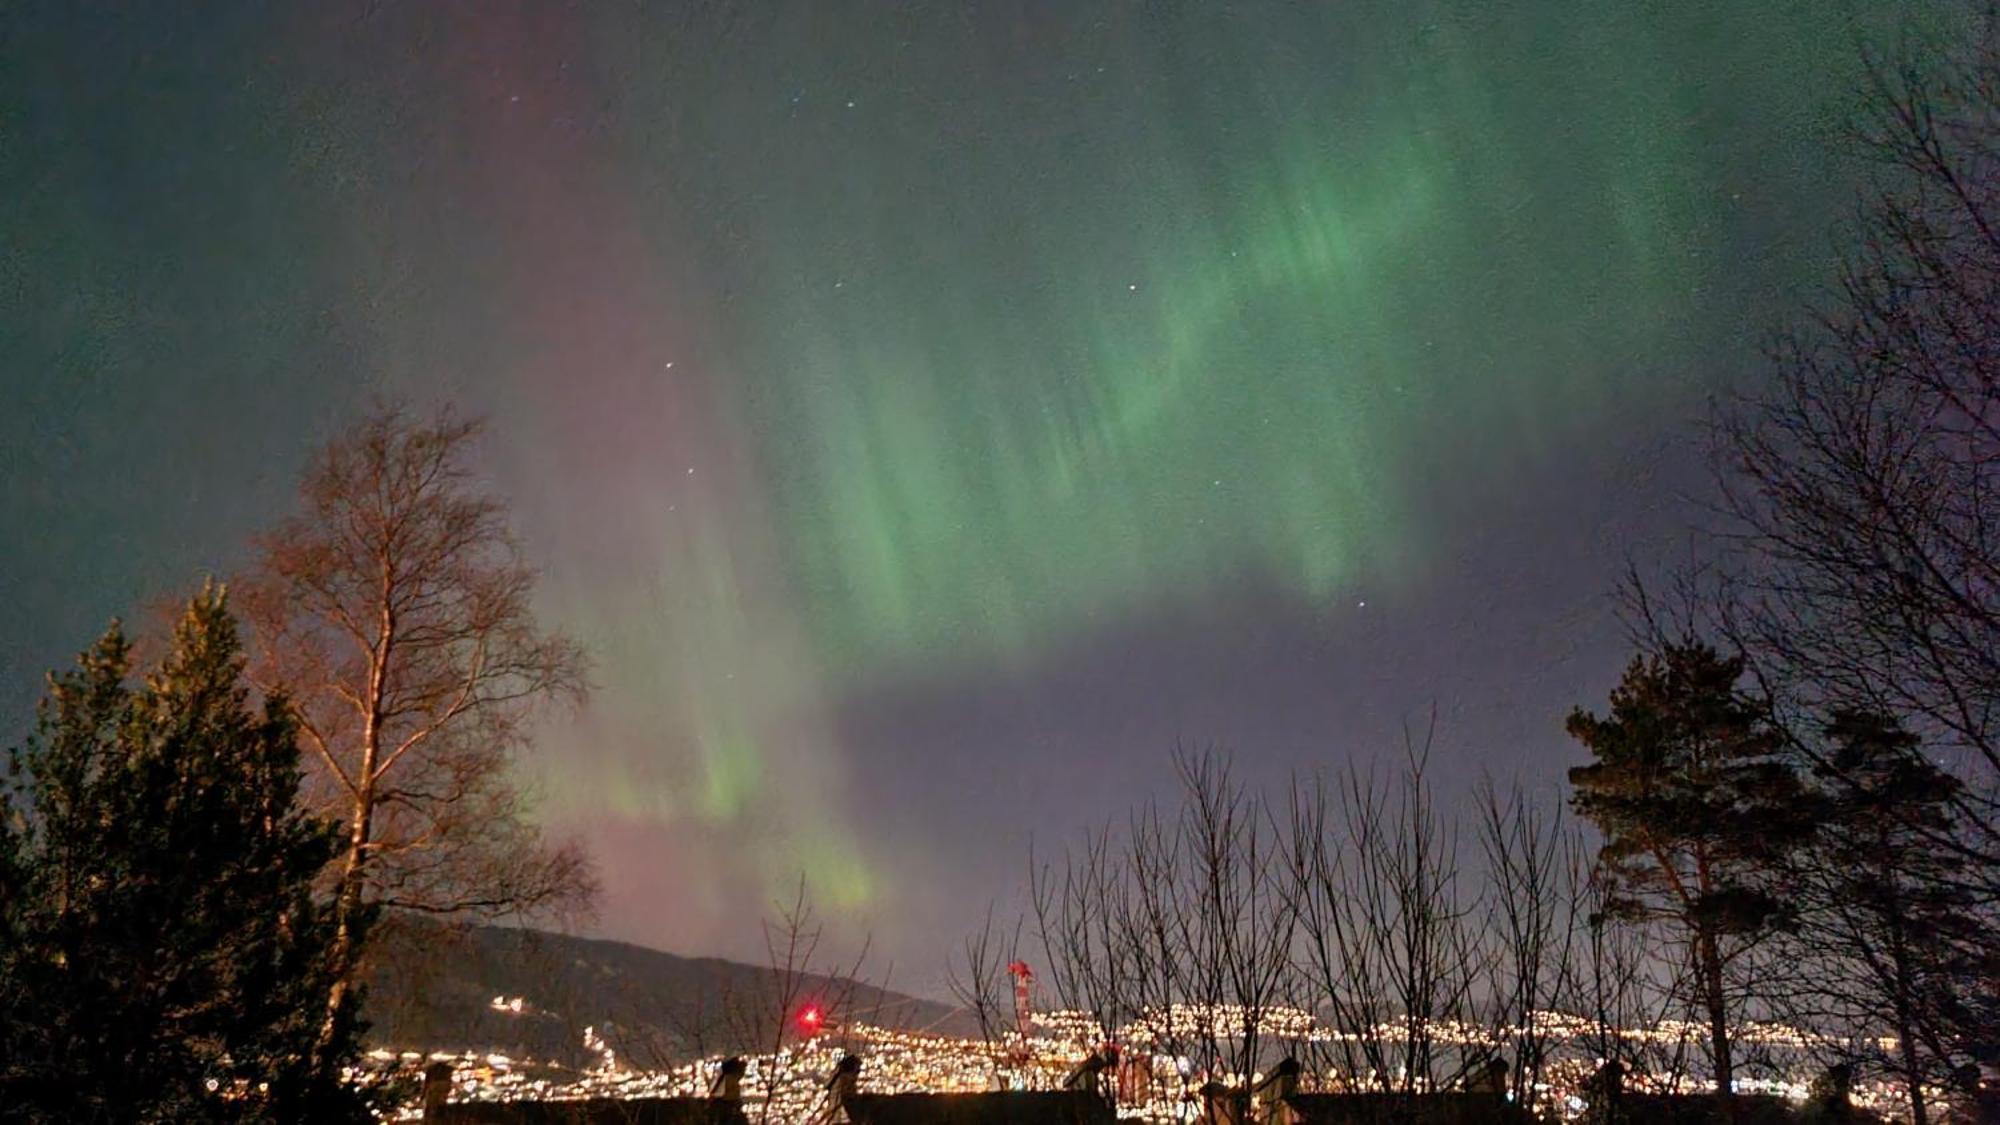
(1155, 1081)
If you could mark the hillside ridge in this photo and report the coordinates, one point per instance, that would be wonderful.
(531, 993)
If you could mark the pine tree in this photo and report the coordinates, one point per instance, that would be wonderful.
(1894, 912)
(1697, 809)
(166, 953)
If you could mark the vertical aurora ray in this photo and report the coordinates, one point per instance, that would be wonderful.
(607, 399)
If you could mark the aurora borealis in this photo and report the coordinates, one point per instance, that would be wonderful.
(926, 413)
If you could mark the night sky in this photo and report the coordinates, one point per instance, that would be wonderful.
(927, 414)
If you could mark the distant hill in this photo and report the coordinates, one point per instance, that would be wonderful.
(433, 989)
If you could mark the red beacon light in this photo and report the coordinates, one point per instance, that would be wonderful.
(810, 1018)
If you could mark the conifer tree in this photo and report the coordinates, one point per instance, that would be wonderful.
(1697, 808)
(166, 957)
(1894, 917)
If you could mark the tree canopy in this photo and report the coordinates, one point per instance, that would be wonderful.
(163, 948)
(1696, 805)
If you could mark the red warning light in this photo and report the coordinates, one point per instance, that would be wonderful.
(810, 1017)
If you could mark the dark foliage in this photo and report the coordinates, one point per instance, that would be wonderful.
(163, 947)
(1698, 808)
(1891, 941)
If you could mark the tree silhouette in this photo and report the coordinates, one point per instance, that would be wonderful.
(394, 609)
(1696, 807)
(165, 957)
(1891, 941)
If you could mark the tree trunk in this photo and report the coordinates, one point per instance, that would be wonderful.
(347, 900)
(347, 913)
(1906, 1040)
(1713, 998)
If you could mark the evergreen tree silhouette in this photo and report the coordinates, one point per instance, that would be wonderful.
(165, 953)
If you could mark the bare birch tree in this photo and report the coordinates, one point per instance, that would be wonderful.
(1863, 482)
(394, 610)
(1237, 911)
(1179, 928)
(1075, 906)
(1387, 944)
(799, 999)
(1537, 883)
(979, 979)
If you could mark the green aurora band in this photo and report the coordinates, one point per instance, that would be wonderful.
(1022, 388)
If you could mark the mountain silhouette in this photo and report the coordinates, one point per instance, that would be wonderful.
(529, 993)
